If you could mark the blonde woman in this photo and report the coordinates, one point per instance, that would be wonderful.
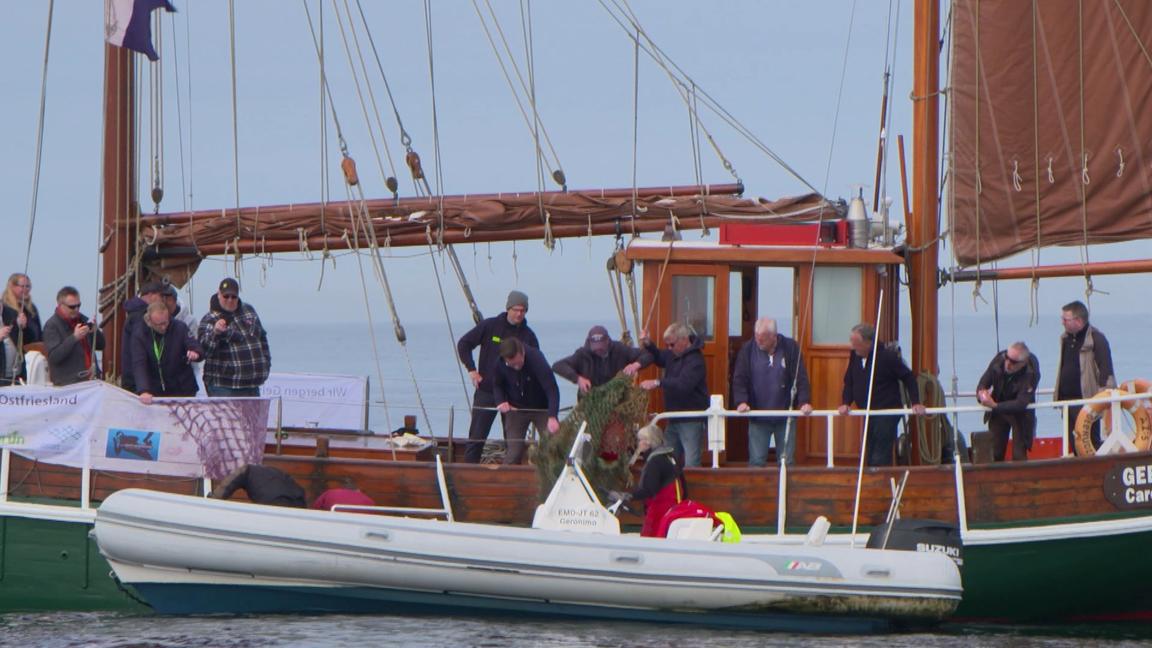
(662, 480)
(19, 326)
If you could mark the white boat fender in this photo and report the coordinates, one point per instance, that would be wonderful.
(818, 532)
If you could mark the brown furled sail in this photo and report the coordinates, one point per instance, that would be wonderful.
(1051, 137)
(466, 219)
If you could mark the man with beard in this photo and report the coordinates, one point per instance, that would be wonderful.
(599, 360)
(70, 341)
(236, 355)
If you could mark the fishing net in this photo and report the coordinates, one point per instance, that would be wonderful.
(613, 411)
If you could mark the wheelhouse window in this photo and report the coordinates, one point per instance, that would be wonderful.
(693, 299)
(835, 303)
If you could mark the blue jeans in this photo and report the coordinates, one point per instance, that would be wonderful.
(216, 391)
(686, 437)
(761, 432)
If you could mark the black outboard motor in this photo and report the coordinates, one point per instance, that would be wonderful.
(920, 535)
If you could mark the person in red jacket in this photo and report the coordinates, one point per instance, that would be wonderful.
(661, 482)
(347, 494)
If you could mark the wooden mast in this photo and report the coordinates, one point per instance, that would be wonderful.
(923, 229)
(120, 205)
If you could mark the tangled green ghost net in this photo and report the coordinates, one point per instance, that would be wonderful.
(613, 411)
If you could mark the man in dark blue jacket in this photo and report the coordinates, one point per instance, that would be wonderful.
(599, 360)
(770, 375)
(525, 391)
(133, 315)
(162, 352)
(891, 372)
(685, 385)
(488, 335)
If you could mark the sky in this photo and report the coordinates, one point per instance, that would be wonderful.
(805, 77)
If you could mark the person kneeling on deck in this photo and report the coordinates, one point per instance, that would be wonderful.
(526, 392)
(264, 485)
(661, 482)
(1008, 386)
(890, 372)
(346, 494)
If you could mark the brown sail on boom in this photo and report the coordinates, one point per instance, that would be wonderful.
(1051, 141)
(466, 219)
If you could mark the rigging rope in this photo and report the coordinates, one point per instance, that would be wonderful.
(179, 111)
(36, 166)
(235, 123)
(554, 163)
(681, 80)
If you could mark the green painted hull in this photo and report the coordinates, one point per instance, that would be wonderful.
(48, 565)
(1063, 579)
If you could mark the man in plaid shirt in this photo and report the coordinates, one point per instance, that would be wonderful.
(236, 356)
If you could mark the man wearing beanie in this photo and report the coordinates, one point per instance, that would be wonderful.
(599, 360)
(488, 335)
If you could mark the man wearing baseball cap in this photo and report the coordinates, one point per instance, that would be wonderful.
(236, 355)
(488, 335)
(599, 360)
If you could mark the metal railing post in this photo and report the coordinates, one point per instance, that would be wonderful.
(831, 418)
(716, 427)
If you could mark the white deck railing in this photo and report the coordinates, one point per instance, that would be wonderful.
(716, 417)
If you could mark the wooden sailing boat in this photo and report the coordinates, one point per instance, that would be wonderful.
(1044, 540)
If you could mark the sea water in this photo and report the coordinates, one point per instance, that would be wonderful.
(403, 628)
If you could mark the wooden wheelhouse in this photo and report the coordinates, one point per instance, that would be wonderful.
(816, 293)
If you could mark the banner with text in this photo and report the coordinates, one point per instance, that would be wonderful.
(107, 428)
(324, 401)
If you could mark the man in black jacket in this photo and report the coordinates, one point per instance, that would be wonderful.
(890, 373)
(685, 385)
(162, 353)
(1008, 387)
(488, 335)
(264, 485)
(134, 310)
(599, 360)
(525, 391)
(1084, 366)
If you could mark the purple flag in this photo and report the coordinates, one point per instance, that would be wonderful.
(127, 23)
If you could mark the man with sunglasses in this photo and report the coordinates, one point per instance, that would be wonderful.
(1007, 388)
(70, 341)
(236, 355)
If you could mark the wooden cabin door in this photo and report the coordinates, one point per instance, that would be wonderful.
(833, 299)
(696, 295)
